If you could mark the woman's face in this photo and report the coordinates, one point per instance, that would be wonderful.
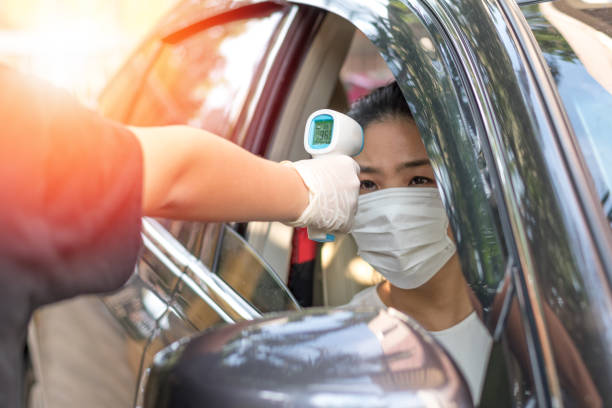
(393, 156)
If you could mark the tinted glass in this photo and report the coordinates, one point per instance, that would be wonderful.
(249, 275)
(118, 97)
(202, 81)
(575, 40)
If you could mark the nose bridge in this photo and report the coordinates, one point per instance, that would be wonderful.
(392, 178)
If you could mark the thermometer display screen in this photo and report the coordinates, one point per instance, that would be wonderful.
(322, 132)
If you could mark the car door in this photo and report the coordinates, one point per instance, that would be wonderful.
(496, 134)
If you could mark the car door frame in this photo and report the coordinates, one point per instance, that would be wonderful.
(531, 83)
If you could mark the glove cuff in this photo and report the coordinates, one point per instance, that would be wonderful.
(306, 215)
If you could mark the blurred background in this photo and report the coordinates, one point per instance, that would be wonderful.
(75, 44)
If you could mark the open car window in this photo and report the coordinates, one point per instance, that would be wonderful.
(354, 67)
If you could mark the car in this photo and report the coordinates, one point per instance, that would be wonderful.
(513, 103)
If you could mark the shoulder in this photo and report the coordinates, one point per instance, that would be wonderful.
(367, 297)
(71, 190)
(469, 344)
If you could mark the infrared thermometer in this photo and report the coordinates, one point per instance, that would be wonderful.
(327, 133)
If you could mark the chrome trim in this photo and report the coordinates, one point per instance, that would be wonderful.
(161, 239)
(509, 297)
(208, 300)
(198, 273)
(194, 273)
(494, 135)
(157, 251)
(531, 2)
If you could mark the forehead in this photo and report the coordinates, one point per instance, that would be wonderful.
(391, 140)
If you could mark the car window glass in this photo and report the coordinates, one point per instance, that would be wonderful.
(575, 39)
(202, 81)
(242, 268)
(117, 98)
(272, 241)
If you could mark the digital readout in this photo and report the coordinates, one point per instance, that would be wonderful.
(322, 132)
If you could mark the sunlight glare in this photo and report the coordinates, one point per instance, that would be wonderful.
(63, 50)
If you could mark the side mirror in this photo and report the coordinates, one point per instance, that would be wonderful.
(313, 358)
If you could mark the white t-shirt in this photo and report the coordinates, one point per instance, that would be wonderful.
(468, 342)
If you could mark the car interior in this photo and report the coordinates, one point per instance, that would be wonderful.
(351, 67)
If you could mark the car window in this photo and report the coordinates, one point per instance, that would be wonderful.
(343, 272)
(272, 241)
(575, 39)
(440, 106)
(199, 79)
(117, 98)
(241, 267)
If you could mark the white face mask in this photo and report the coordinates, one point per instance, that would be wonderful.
(402, 233)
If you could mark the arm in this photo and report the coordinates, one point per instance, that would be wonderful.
(192, 174)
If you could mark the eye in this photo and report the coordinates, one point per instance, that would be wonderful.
(418, 180)
(367, 186)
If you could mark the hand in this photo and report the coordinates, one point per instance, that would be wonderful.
(333, 185)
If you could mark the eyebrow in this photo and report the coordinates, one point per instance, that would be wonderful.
(414, 163)
(409, 164)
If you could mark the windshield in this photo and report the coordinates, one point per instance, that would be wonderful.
(575, 38)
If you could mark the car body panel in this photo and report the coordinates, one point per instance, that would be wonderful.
(551, 215)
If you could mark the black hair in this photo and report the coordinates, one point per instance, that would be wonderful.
(380, 104)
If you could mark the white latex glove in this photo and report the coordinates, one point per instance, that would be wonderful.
(333, 184)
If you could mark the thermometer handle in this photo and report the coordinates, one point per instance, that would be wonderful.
(319, 235)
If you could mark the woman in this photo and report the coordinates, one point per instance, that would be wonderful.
(401, 229)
